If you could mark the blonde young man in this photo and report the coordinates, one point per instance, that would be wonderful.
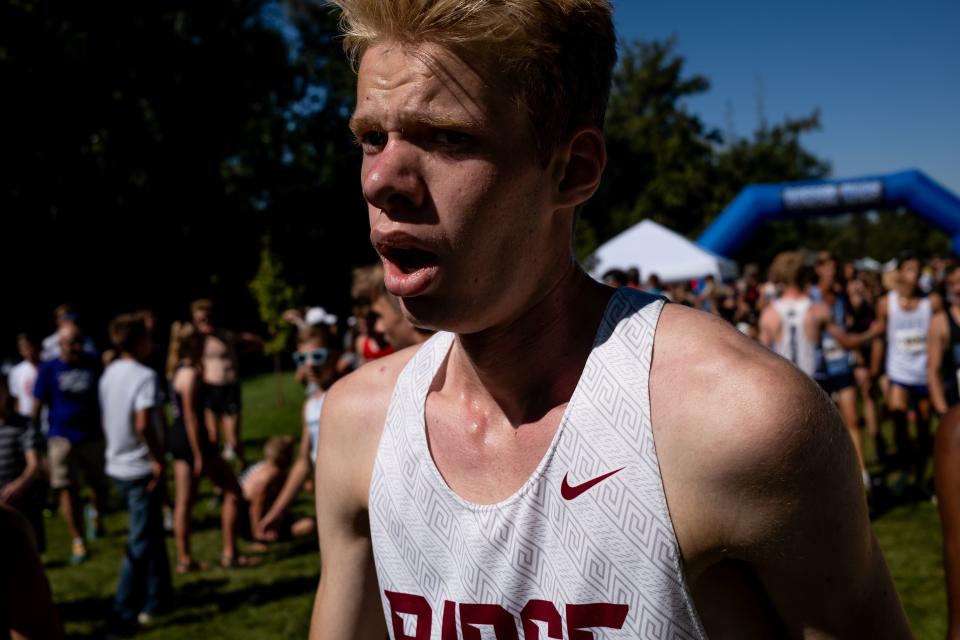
(561, 459)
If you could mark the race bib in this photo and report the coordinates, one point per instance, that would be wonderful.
(834, 357)
(910, 340)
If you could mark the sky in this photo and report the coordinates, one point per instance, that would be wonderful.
(885, 75)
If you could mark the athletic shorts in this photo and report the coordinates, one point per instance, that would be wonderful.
(222, 399)
(68, 460)
(915, 390)
(834, 384)
(179, 444)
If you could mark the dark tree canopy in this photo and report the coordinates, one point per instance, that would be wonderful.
(149, 147)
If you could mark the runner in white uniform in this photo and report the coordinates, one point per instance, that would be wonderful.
(564, 461)
(906, 317)
(785, 324)
(794, 343)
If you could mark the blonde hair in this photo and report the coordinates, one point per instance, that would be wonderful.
(184, 342)
(279, 450)
(786, 268)
(557, 56)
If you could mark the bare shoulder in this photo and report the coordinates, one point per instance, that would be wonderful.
(734, 424)
(698, 356)
(354, 412)
(363, 396)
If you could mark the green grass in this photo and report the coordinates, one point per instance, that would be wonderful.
(273, 600)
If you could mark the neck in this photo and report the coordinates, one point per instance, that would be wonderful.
(905, 291)
(532, 363)
(126, 355)
(792, 291)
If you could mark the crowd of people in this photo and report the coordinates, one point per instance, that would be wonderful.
(879, 342)
(73, 418)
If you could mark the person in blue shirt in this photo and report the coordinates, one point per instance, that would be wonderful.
(67, 386)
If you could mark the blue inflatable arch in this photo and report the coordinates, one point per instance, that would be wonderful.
(759, 203)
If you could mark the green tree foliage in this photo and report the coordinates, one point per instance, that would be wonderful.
(666, 164)
(274, 295)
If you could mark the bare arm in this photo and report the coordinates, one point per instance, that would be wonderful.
(947, 473)
(348, 602)
(772, 486)
(259, 490)
(266, 527)
(21, 483)
(937, 339)
(809, 537)
(878, 346)
(142, 423)
(768, 327)
(191, 421)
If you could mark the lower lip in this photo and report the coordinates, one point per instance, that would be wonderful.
(408, 285)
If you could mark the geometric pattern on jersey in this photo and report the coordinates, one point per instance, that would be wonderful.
(614, 543)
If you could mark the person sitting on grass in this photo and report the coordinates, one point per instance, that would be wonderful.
(316, 359)
(195, 454)
(262, 483)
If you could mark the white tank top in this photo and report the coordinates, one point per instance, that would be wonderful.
(793, 343)
(311, 415)
(907, 341)
(585, 546)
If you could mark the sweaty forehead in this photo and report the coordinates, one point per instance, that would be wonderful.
(400, 84)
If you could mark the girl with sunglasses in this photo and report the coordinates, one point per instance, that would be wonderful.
(316, 359)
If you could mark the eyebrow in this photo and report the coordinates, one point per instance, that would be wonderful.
(416, 120)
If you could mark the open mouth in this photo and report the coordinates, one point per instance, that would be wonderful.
(409, 259)
(408, 271)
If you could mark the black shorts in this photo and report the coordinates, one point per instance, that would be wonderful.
(222, 399)
(179, 443)
(834, 384)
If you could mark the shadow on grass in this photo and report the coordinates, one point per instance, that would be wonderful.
(204, 593)
(86, 609)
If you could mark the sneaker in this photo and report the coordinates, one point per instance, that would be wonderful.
(145, 619)
(228, 453)
(78, 551)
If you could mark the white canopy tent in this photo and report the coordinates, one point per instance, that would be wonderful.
(653, 248)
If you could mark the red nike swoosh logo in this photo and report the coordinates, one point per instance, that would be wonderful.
(569, 493)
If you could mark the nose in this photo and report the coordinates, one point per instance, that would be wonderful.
(392, 179)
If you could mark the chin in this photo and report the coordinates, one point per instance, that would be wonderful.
(435, 314)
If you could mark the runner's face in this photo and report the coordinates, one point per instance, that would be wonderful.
(459, 202)
(391, 323)
(910, 273)
(203, 322)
